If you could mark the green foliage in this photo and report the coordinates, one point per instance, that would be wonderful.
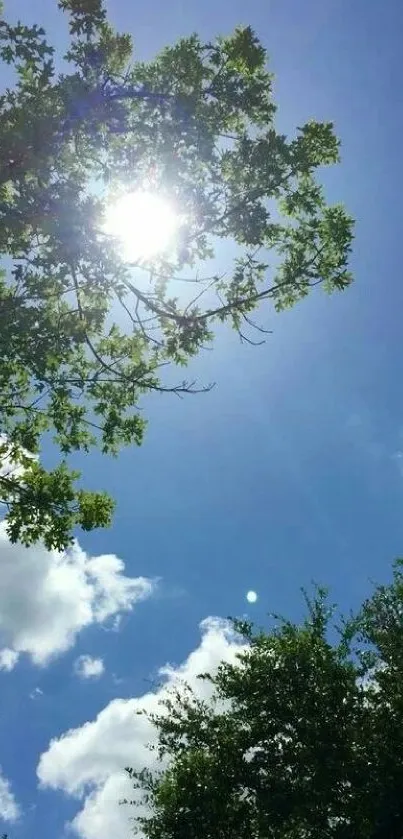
(83, 336)
(302, 736)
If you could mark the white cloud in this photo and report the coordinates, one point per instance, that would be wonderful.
(48, 597)
(88, 668)
(88, 762)
(9, 809)
(36, 693)
(8, 659)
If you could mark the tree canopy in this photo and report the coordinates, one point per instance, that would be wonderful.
(85, 333)
(302, 738)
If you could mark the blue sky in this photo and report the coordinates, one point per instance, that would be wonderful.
(291, 469)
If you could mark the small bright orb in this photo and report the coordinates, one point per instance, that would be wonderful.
(144, 224)
(251, 597)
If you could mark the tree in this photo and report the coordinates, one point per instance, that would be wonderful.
(302, 738)
(83, 335)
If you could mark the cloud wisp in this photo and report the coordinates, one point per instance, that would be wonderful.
(87, 667)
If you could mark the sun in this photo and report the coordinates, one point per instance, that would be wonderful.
(144, 224)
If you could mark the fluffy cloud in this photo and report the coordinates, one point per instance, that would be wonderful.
(47, 597)
(88, 668)
(88, 762)
(8, 659)
(9, 809)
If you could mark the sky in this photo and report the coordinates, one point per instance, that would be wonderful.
(289, 470)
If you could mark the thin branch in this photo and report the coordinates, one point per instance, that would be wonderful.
(198, 296)
(257, 326)
(253, 298)
(140, 382)
(244, 339)
(174, 279)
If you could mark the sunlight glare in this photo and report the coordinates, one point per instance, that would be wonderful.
(144, 224)
(251, 597)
